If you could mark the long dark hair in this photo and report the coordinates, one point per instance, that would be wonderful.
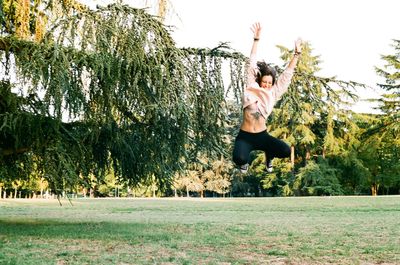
(263, 70)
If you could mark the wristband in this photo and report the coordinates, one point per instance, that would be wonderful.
(256, 39)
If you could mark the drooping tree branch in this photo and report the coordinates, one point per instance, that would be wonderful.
(118, 92)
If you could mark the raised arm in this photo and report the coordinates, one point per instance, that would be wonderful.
(251, 71)
(297, 51)
(285, 78)
(256, 28)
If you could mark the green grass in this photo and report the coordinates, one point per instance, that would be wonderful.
(307, 230)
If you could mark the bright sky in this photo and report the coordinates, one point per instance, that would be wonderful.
(349, 35)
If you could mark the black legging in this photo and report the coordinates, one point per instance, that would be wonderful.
(246, 142)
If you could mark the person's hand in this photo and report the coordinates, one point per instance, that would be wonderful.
(256, 28)
(298, 45)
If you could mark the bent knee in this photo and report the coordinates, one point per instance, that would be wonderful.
(287, 151)
(284, 152)
(239, 160)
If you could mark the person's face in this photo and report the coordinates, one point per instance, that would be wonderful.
(266, 81)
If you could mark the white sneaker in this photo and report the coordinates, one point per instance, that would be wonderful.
(269, 166)
(244, 168)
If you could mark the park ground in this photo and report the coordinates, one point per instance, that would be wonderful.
(291, 230)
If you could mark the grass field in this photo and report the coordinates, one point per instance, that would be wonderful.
(306, 230)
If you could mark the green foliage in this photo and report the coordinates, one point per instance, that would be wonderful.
(381, 155)
(352, 173)
(239, 187)
(380, 136)
(109, 88)
(391, 71)
(317, 179)
(217, 178)
(310, 116)
(390, 101)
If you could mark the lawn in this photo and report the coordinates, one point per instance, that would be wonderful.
(295, 230)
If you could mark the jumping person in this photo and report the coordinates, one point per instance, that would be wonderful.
(263, 90)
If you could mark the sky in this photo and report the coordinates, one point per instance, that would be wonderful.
(349, 35)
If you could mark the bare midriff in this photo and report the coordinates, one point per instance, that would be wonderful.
(253, 121)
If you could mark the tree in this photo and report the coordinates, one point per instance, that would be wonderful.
(217, 179)
(317, 179)
(390, 101)
(306, 113)
(190, 180)
(381, 151)
(106, 88)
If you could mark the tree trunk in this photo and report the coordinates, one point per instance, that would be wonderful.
(374, 189)
(323, 152)
(308, 155)
(7, 152)
(162, 9)
(187, 192)
(292, 156)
